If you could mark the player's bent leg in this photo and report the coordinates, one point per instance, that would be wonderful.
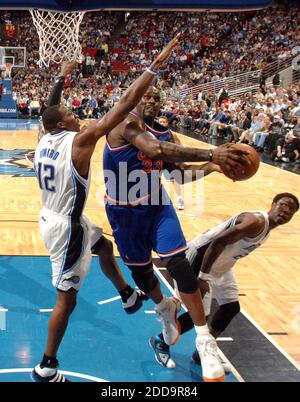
(180, 270)
(132, 299)
(219, 323)
(166, 308)
(223, 316)
(47, 371)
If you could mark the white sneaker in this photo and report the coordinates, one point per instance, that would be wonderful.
(180, 204)
(225, 364)
(170, 324)
(135, 301)
(47, 374)
(212, 368)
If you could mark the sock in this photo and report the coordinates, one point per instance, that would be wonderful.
(201, 330)
(162, 305)
(126, 293)
(186, 323)
(50, 362)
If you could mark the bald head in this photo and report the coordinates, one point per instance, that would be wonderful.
(149, 105)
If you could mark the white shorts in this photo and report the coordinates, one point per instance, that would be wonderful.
(69, 245)
(224, 290)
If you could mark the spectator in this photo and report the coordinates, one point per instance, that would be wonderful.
(287, 149)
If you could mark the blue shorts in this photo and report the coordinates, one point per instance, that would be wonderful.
(141, 229)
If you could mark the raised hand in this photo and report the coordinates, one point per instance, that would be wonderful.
(166, 52)
(67, 67)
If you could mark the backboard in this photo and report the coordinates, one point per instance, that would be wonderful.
(79, 5)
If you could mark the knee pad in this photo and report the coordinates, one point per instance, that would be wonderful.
(224, 315)
(180, 270)
(144, 277)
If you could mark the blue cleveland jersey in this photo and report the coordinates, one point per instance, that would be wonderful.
(130, 176)
(160, 132)
(144, 227)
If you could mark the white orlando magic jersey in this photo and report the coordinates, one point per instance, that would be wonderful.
(63, 190)
(232, 252)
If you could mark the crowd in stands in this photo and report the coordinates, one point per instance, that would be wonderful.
(269, 120)
(117, 46)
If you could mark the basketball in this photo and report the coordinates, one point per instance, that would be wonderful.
(250, 169)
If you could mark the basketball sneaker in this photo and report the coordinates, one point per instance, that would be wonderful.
(162, 352)
(212, 369)
(170, 324)
(225, 364)
(47, 374)
(135, 301)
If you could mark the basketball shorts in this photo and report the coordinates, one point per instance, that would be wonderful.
(139, 230)
(69, 244)
(223, 288)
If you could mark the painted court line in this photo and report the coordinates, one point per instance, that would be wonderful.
(109, 300)
(3, 312)
(67, 373)
(150, 312)
(173, 292)
(270, 339)
(46, 310)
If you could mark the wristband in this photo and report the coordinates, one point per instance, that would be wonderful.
(210, 156)
(152, 71)
(204, 276)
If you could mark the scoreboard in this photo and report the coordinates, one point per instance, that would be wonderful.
(10, 29)
(7, 30)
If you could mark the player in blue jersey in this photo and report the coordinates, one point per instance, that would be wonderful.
(143, 218)
(62, 163)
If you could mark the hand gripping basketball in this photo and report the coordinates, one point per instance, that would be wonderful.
(237, 161)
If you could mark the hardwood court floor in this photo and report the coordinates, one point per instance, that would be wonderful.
(269, 279)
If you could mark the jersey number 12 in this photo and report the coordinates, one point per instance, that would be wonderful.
(45, 180)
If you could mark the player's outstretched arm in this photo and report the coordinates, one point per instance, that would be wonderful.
(129, 100)
(229, 159)
(193, 171)
(248, 225)
(55, 94)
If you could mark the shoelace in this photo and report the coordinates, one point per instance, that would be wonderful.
(210, 348)
(162, 347)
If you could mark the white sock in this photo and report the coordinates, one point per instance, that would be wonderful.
(163, 304)
(201, 330)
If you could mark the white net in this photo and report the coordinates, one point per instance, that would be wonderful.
(7, 73)
(58, 35)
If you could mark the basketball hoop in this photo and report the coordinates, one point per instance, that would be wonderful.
(59, 36)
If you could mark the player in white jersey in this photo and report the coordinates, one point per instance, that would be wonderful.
(213, 256)
(62, 164)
